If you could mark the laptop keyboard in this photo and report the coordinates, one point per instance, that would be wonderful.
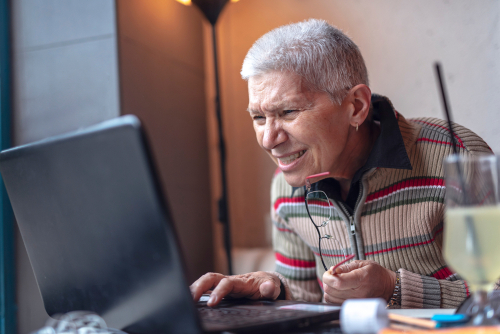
(243, 315)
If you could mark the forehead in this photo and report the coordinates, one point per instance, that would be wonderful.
(276, 89)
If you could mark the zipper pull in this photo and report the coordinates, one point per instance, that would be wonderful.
(353, 227)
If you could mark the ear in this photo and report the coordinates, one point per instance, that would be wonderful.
(359, 101)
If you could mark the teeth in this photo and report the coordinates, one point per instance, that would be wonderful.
(291, 158)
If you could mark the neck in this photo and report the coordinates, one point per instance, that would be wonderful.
(355, 154)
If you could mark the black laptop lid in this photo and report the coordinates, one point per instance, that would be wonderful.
(96, 231)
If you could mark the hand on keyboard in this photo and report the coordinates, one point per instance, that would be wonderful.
(256, 285)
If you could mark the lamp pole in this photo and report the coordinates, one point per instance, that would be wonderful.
(211, 9)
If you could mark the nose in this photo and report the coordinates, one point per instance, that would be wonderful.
(274, 134)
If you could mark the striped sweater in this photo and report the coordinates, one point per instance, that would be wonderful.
(398, 223)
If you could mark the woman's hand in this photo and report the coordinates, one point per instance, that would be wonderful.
(358, 279)
(256, 285)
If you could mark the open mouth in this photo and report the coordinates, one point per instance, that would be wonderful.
(291, 158)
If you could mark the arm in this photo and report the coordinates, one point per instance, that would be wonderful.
(295, 276)
(418, 291)
(368, 279)
(425, 280)
(295, 261)
(295, 264)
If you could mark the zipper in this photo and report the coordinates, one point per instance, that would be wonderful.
(352, 224)
(351, 219)
(352, 228)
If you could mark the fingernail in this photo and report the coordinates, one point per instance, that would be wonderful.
(212, 300)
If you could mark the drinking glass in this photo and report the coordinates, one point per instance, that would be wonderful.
(472, 227)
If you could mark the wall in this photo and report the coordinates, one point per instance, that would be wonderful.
(162, 81)
(65, 77)
(399, 40)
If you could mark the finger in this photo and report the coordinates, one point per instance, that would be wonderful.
(338, 296)
(330, 280)
(335, 288)
(358, 264)
(333, 300)
(205, 283)
(224, 287)
(342, 294)
(348, 258)
(270, 289)
(340, 282)
(348, 267)
(235, 286)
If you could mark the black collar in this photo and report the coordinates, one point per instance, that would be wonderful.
(388, 152)
(389, 149)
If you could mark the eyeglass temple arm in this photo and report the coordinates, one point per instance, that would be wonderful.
(308, 182)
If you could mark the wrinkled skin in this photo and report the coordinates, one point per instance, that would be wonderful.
(257, 285)
(358, 279)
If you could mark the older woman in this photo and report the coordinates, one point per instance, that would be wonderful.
(313, 112)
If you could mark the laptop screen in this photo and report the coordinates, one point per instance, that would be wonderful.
(95, 228)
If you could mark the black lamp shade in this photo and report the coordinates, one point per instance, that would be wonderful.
(210, 8)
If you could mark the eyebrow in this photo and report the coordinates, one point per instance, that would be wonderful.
(252, 110)
(282, 106)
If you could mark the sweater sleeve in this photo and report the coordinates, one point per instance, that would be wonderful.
(295, 262)
(419, 291)
(447, 290)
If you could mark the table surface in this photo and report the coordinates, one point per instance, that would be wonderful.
(423, 313)
(333, 327)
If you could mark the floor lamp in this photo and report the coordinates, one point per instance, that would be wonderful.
(211, 9)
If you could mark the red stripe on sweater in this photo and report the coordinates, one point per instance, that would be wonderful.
(294, 262)
(281, 229)
(318, 202)
(282, 200)
(466, 289)
(438, 142)
(404, 185)
(320, 284)
(277, 171)
(442, 127)
(406, 246)
(443, 273)
(329, 255)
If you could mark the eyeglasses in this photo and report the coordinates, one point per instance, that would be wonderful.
(320, 211)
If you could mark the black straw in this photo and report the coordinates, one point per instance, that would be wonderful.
(444, 99)
(469, 222)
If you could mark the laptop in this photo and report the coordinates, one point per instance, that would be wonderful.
(100, 238)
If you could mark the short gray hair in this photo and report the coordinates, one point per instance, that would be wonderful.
(321, 54)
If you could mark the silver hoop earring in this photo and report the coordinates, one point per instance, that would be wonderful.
(357, 127)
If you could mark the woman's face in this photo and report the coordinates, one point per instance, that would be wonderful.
(304, 132)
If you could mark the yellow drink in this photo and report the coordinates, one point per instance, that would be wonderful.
(472, 244)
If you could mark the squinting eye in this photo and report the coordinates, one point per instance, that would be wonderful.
(286, 112)
(256, 118)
